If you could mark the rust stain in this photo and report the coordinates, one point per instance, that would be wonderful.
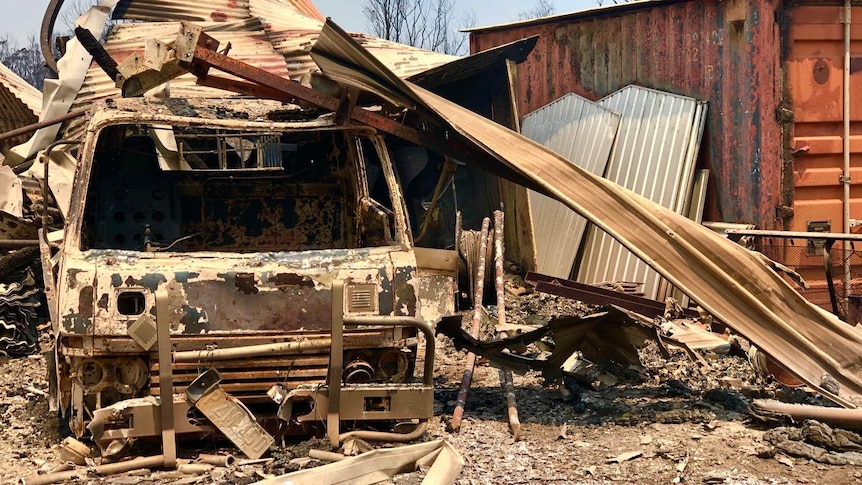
(244, 282)
(821, 72)
(103, 302)
(85, 302)
(285, 280)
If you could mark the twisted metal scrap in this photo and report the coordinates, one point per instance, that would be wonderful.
(18, 304)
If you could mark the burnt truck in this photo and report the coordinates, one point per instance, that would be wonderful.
(252, 238)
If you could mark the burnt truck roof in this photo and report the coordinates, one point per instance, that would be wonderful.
(229, 112)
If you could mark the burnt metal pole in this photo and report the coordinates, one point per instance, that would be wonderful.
(467, 379)
(46, 34)
(18, 243)
(505, 374)
(43, 124)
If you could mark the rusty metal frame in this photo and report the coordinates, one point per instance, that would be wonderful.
(336, 361)
(205, 58)
(333, 399)
(166, 379)
(598, 296)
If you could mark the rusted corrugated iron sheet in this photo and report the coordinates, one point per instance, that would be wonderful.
(20, 103)
(404, 60)
(723, 52)
(729, 281)
(208, 11)
(21, 89)
(191, 10)
(583, 132)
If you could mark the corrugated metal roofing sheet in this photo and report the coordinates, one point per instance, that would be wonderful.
(21, 89)
(274, 35)
(173, 10)
(304, 7)
(589, 12)
(583, 132)
(20, 102)
(654, 156)
(283, 12)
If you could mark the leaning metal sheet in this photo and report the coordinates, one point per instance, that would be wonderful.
(727, 280)
(654, 156)
(577, 129)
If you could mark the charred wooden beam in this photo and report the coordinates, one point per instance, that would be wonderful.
(476, 325)
(100, 55)
(506, 381)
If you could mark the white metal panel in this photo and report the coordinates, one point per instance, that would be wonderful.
(583, 132)
(654, 155)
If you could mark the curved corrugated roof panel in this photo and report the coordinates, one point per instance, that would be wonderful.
(173, 10)
(283, 15)
(404, 60)
(212, 10)
(20, 103)
(21, 89)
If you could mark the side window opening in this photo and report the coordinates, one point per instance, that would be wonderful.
(376, 223)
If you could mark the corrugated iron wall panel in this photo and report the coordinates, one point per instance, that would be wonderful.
(724, 52)
(583, 132)
(653, 156)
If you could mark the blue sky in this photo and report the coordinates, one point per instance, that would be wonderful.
(23, 17)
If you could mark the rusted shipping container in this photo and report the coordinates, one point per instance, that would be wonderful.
(772, 72)
(694, 48)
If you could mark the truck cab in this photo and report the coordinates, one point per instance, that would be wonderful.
(265, 239)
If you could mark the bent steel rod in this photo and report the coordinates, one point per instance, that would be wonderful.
(505, 374)
(43, 124)
(467, 379)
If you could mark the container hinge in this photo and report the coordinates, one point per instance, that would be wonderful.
(784, 212)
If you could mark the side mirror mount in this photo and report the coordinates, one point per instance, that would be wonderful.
(376, 223)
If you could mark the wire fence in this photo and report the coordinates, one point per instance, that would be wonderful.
(806, 257)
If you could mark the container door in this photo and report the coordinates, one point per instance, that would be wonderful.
(815, 77)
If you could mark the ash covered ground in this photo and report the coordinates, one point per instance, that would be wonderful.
(675, 421)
